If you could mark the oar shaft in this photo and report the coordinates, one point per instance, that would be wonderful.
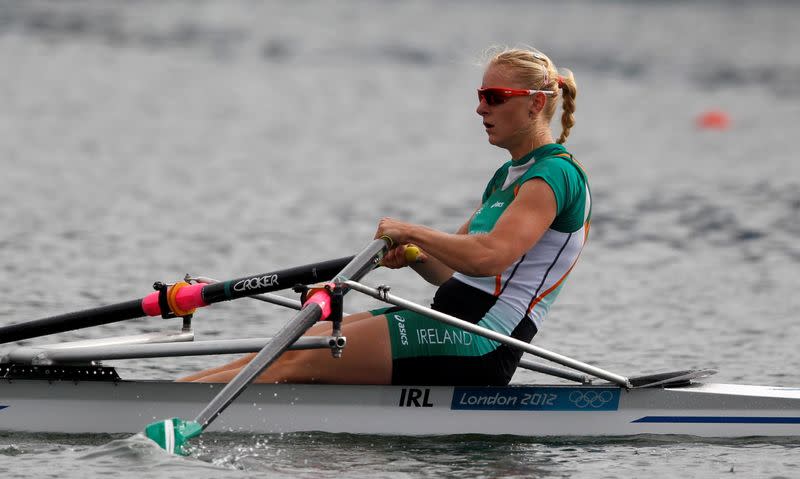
(198, 295)
(265, 297)
(70, 321)
(188, 298)
(275, 281)
(493, 335)
(364, 262)
(551, 371)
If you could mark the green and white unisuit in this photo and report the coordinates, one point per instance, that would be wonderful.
(530, 285)
(515, 302)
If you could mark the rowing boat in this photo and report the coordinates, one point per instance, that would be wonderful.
(118, 406)
(64, 388)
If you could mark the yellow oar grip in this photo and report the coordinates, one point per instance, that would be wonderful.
(412, 253)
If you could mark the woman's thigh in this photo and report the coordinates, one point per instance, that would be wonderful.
(366, 358)
(428, 352)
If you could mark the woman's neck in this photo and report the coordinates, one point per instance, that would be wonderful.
(535, 139)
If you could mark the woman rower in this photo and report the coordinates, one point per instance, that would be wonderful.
(502, 269)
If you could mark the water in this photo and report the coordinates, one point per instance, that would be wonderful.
(143, 140)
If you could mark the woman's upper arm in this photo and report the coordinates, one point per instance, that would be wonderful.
(523, 223)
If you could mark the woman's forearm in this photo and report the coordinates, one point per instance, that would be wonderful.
(468, 254)
(433, 271)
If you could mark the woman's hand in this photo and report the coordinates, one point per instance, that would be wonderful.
(398, 231)
(402, 256)
(402, 253)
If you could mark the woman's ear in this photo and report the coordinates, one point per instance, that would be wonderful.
(537, 104)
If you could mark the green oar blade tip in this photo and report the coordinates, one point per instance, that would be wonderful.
(172, 434)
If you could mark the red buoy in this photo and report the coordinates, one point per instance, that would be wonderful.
(713, 120)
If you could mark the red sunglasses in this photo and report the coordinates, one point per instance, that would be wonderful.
(497, 96)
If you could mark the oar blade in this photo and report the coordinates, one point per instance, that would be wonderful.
(172, 434)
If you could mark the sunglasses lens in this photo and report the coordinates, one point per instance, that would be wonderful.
(492, 98)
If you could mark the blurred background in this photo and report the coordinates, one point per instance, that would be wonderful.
(142, 140)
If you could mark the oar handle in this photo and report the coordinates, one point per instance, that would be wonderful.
(412, 253)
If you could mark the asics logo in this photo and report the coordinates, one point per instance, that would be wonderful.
(590, 399)
(497, 204)
(401, 327)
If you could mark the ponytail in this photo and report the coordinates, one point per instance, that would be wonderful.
(569, 90)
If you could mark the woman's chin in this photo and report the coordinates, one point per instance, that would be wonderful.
(493, 140)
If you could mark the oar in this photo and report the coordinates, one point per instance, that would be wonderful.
(265, 297)
(383, 294)
(171, 434)
(183, 299)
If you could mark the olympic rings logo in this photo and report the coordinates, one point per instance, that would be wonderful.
(594, 399)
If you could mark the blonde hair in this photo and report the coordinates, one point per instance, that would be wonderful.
(537, 72)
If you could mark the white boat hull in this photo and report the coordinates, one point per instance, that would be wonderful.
(707, 410)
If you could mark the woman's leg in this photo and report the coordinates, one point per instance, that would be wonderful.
(320, 329)
(365, 360)
(200, 375)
